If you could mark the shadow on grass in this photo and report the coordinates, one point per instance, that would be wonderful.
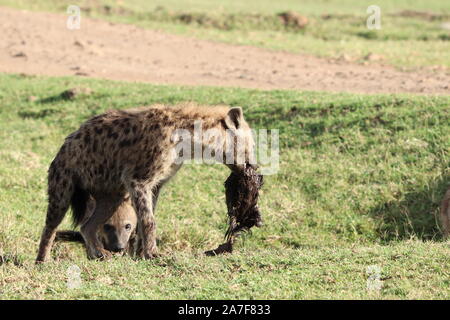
(416, 215)
(54, 99)
(69, 94)
(37, 114)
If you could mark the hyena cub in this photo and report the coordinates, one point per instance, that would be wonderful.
(445, 214)
(136, 152)
(117, 234)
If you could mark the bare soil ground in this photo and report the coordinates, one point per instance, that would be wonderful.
(40, 43)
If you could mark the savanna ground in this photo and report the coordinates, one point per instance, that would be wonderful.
(359, 185)
(414, 33)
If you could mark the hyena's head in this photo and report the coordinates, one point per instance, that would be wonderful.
(239, 144)
(117, 231)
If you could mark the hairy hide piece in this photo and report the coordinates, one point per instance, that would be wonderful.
(241, 193)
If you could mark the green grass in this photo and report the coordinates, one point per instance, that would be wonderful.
(408, 42)
(360, 181)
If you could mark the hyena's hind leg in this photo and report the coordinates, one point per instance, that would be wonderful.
(59, 199)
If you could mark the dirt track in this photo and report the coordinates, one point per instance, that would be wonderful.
(40, 43)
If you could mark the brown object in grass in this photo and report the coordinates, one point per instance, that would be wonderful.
(293, 19)
(445, 214)
(241, 192)
(226, 247)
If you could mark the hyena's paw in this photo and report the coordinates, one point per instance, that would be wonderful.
(99, 254)
(148, 255)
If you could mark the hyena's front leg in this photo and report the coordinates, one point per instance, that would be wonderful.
(89, 231)
(142, 203)
(137, 243)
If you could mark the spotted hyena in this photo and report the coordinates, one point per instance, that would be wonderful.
(136, 152)
(445, 214)
(117, 234)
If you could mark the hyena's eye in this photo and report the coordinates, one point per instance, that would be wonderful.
(107, 227)
(128, 226)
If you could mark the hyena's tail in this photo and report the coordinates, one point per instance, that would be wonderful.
(79, 203)
(70, 236)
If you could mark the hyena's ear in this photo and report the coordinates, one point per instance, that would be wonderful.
(234, 118)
